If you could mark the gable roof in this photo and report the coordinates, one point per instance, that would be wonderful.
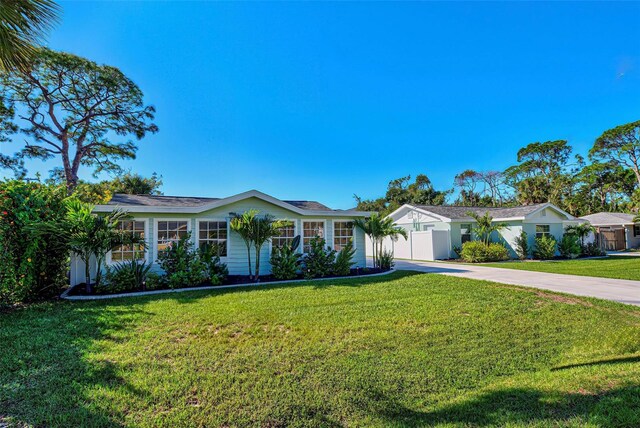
(194, 205)
(456, 213)
(609, 219)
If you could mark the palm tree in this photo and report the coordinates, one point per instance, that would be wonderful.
(23, 25)
(256, 231)
(485, 226)
(87, 235)
(377, 228)
(582, 230)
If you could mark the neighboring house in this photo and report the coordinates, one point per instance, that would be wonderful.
(434, 231)
(164, 219)
(615, 231)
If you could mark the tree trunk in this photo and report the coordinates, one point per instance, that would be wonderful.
(257, 277)
(249, 260)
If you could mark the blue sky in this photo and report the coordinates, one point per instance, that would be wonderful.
(324, 100)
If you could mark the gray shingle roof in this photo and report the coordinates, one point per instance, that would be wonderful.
(460, 213)
(122, 200)
(609, 219)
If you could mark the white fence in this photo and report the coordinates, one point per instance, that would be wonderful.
(427, 245)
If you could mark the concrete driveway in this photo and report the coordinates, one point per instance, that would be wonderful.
(618, 290)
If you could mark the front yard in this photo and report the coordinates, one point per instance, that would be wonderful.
(619, 267)
(399, 350)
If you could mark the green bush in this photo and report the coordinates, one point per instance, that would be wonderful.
(344, 260)
(545, 247)
(215, 271)
(569, 246)
(479, 252)
(385, 260)
(496, 252)
(319, 261)
(182, 265)
(522, 245)
(155, 281)
(285, 261)
(125, 276)
(32, 265)
(592, 250)
(474, 252)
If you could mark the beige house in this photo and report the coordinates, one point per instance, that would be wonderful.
(615, 231)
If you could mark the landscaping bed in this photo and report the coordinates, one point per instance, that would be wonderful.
(80, 289)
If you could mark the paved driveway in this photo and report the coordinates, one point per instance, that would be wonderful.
(618, 290)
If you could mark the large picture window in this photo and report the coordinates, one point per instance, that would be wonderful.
(213, 234)
(542, 230)
(342, 234)
(130, 252)
(285, 237)
(310, 230)
(170, 231)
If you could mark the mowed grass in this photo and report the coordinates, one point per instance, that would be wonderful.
(399, 350)
(619, 267)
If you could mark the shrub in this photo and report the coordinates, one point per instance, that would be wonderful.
(182, 265)
(215, 271)
(33, 265)
(344, 260)
(319, 261)
(457, 251)
(125, 276)
(385, 260)
(569, 246)
(497, 252)
(522, 245)
(156, 281)
(474, 251)
(545, 247)
(285, 261)
(478, 252)
(592, 250)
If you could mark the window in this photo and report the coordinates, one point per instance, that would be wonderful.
(465, 233)
(542, 230)
(170, 231)
(636, 230)
(342, 234)
(213, 234)
(129, 252)
(310, 230)
(287, 234)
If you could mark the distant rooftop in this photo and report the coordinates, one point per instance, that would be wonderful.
(609, 219)
(461, 213)
(122, 199)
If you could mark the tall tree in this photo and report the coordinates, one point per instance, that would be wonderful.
(544, 172)
(467, 181)
(23, 26)
(620, 145)
(73, 109)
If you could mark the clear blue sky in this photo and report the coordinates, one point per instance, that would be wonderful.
(323, 100)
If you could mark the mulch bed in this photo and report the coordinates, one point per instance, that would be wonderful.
(80, 289)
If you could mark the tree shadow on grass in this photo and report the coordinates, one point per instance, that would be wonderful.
(618, 407)
(621, 360)
(46, 377)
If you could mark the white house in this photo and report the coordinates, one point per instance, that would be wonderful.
(615, 231)
(434, 231)
(165, 219)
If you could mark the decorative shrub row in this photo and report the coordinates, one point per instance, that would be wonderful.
(479, 252)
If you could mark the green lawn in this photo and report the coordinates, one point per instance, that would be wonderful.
(398, 350)
(621, 267)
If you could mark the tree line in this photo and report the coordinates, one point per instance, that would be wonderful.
(608, 180)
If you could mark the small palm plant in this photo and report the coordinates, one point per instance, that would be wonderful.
(485, 226)
(256, 231)
(378, 228)
(582, 230)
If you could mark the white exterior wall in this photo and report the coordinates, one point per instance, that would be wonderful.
(236, 259)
